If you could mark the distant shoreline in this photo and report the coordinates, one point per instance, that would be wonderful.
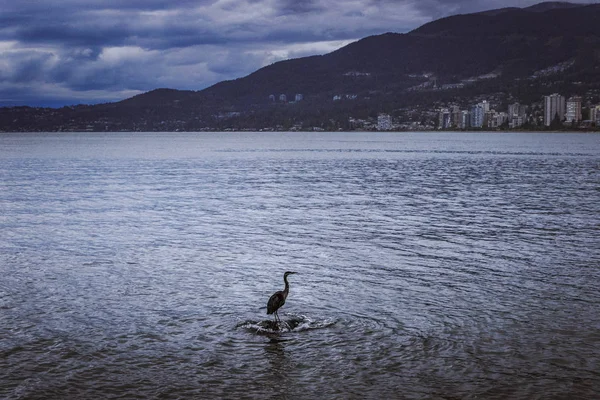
(319, 131)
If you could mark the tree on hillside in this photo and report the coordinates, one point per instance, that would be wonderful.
(556, 123)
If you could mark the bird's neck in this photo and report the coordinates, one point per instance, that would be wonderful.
(287, 285)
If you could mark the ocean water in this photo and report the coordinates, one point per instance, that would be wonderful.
(429, 265)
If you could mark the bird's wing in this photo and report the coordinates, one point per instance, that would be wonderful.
(275, 301)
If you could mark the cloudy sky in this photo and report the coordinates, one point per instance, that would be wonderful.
(61, 52)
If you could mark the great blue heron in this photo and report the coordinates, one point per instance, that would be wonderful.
(278, 298)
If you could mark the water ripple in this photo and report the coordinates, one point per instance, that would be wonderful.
(429, 266)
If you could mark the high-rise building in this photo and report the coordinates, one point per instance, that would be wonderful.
(465, 120)
(444, 119)
(485, 105)
(478, 115)
(516, 115)
(554, 105)
(299, 97)
(384, 122)
(496, 119)
(282, 98)
(574, 109)
(455, 116)
(597, 115)
(516, 110)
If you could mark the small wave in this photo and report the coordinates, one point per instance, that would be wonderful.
(293, 323)
(409, 151)
(98, 262)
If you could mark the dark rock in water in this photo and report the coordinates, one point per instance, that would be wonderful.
(293, 323)
(272, 325)
(288, 325)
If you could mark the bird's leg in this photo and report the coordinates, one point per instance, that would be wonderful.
(277, 320)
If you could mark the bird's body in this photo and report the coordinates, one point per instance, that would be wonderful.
(277, 300)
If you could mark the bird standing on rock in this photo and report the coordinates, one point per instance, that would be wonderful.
(278, 299)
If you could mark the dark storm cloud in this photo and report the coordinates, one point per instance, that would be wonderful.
(299, 6)
(435, 9)
(442, 8)
(111, 49)
(29, 69)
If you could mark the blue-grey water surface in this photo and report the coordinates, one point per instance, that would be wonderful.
(430, 265)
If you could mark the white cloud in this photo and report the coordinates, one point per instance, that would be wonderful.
(119, 55)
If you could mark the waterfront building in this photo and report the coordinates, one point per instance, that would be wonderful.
(573, 113)
(496, 119)
(596, 113)
(384, 122)
(486, 106)
(271, 97)
(478, 115)
(444, 119)
(501, 118)
(465, 120)
(554, 105)
(488, 118)
(516, 115)
(455, 116)
(282, 98)
(516, 121)
(299, 97)
(516, 110)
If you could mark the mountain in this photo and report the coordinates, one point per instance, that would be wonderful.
(523, 53)
(515, 43)
(551, 5)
